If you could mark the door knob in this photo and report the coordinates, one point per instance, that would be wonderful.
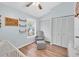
(77, 36)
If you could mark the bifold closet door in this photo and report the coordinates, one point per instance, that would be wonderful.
(62, 31)
(67, 30)
(56, 30)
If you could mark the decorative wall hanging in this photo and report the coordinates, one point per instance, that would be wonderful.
(22, 20)
(22, 31)
(22, 25)
(30, 27)
(11, 21)
(27, 26)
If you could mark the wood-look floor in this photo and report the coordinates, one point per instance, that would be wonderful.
(50, 51)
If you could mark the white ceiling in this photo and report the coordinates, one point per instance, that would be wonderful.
(33, 10)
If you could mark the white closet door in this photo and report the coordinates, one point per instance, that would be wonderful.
(67, 30)
(64, 32)
(71, 30)
(76, 32)
(57, 31)
(54, 26)
(59, 27)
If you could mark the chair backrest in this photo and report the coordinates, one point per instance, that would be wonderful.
(40, 33)
(39, 36)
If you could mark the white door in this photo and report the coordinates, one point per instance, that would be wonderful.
(54, 31)
(76, 32)
(57, 31)
(67, 30)
(62, 31)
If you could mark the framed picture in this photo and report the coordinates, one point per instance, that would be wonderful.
(30, 27)
(11, 21)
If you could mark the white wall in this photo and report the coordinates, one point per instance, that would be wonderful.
(11, 33)
(45, 26)
(37, 25)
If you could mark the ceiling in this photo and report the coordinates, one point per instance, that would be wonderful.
(33, 9)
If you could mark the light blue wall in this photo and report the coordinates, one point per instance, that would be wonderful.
(11, 33)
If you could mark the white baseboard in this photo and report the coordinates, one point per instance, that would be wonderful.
(29, 38)
(25, 44)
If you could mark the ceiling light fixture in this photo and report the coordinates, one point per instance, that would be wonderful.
(34, 3)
